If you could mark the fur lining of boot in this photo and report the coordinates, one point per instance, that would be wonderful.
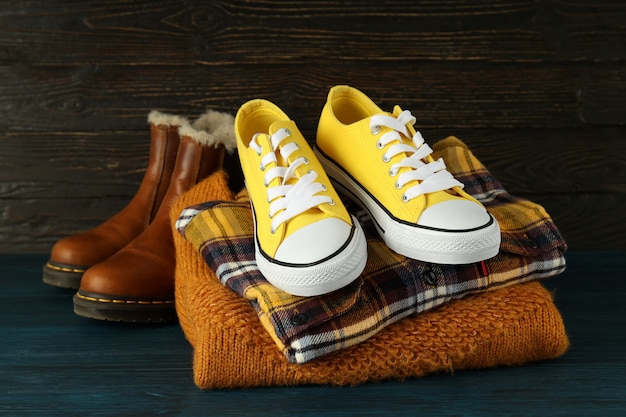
(163, 119)
(211, 129)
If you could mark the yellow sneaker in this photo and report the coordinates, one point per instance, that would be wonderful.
(306, 243)
(379, 160)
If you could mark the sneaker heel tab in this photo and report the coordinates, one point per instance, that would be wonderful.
(264, 106)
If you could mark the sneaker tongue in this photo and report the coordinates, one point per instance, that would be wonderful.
(306, 217)
(405, 139)
(431, 198)
(275, 127)
(397, 110)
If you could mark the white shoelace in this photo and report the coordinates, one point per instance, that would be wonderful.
(430, 176)
(288, 200)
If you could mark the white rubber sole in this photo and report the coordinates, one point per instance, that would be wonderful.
(330, 274)
(414, 241)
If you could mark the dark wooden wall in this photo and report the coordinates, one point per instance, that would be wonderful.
(536, 88)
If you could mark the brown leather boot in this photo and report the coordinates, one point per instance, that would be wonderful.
(137, 283)
(70, 257)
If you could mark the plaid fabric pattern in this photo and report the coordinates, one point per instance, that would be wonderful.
(391, 287)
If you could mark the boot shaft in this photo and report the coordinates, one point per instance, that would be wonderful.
(201, 151)
(194, 162)
(137, 282)
(71, 256)
(163, 150)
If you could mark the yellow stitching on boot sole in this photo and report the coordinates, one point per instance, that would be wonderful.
(117, 301)
(64, 269)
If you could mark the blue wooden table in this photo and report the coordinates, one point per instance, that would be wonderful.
(53, 362)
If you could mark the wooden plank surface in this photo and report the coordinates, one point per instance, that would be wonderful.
(536, 88)
(55, 363)
(444, 95)
(270, 32)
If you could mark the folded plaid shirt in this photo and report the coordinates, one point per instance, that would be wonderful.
(391, 286)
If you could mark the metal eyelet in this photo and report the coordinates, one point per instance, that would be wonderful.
(324, 188)
(375, 130)
(405, 199)
(393, 172)
(398, 186)
(261, 166)
(306, 161)
(272, 230)
(331, 202)
(287, 131)
(379, 145)
(386, 158)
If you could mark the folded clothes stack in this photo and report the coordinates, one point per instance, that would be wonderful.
(368, 257)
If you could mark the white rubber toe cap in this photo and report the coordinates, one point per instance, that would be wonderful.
(314, 242)
(454, 215)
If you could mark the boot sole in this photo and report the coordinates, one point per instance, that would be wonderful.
(102, 307)
(64, 276)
